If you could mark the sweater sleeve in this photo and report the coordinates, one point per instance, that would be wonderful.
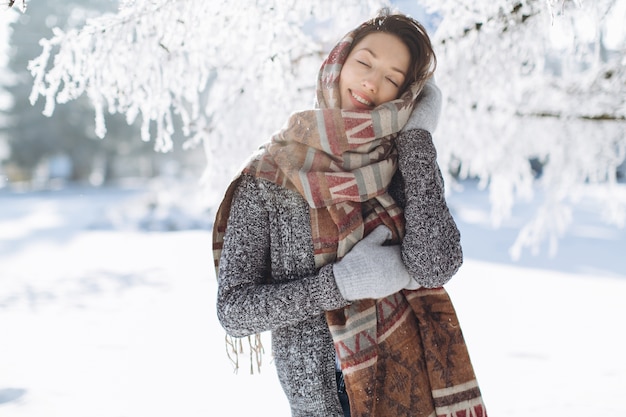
(431, 248)
(249, 301)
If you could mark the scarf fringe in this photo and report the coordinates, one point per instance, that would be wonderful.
(235, 348)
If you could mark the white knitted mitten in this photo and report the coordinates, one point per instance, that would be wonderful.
(425, 115)
(371, 270)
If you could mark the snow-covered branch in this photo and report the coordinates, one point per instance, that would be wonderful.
(533, 82)
(127, 64)
(523, 80)
(222, 73)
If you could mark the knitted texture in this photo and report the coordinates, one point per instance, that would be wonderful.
(268, 229)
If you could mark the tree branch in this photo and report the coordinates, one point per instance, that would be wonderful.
(519, 14)
(587, 117)
(12, 2)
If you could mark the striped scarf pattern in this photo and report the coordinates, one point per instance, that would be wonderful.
(339, 164)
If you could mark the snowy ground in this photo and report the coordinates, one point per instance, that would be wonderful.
(98, 321)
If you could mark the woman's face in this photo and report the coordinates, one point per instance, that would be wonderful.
(373, 72)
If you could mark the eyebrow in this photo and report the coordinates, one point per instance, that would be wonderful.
(374, 55)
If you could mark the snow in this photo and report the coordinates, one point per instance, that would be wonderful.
(97, 320)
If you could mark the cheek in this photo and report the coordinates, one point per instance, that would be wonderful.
(347, 74)
(341, 78)
(388, 94)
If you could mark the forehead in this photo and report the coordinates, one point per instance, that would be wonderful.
(386, 47)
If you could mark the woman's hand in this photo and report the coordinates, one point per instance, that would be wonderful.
(372, 270)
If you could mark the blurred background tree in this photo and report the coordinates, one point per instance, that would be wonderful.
(7, 78)
(65, 147)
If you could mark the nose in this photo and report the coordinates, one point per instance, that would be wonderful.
(370, 82)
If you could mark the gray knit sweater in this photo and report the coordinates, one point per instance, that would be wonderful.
(268, 280)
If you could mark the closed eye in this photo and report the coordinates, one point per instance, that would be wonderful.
(392, 82)
(363, 63)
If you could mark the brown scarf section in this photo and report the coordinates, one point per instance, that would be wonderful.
(403, 355)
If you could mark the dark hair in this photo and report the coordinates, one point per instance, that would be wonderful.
(412, 34)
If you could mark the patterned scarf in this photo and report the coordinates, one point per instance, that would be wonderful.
(403, 355)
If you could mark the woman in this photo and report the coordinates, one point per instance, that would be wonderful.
(286, 251)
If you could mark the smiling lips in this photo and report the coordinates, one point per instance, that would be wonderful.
(361, 100)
